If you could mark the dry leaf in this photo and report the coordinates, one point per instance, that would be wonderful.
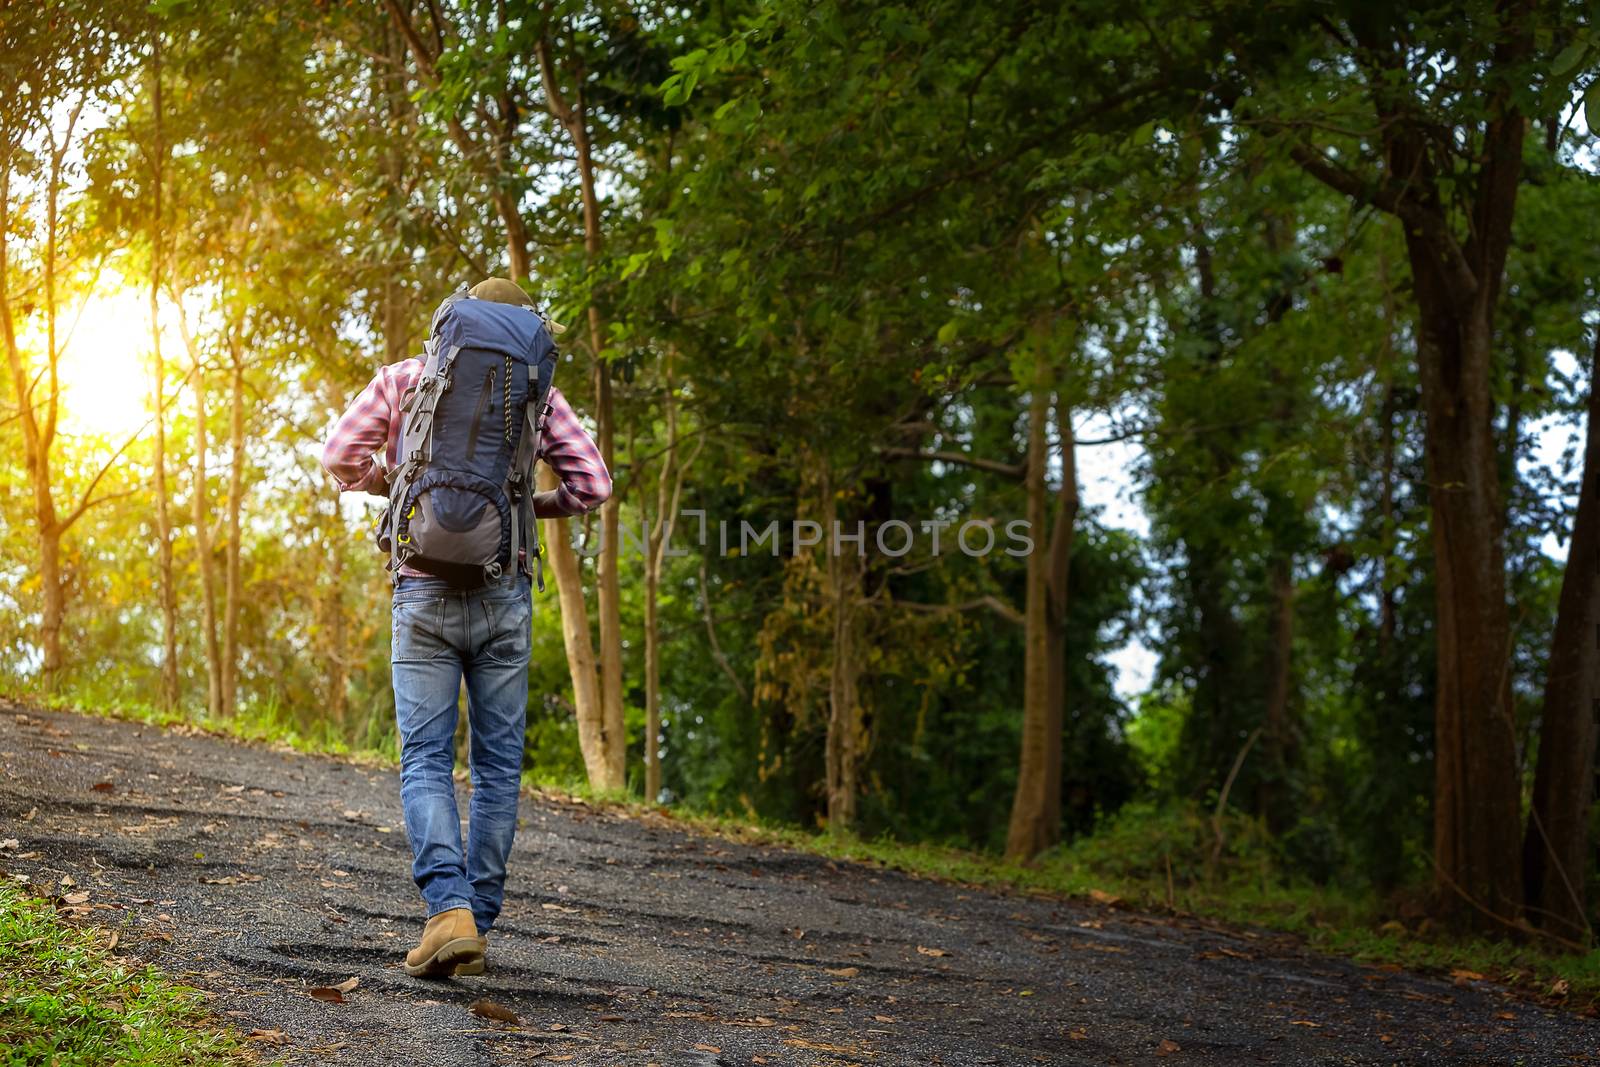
(1305, 1022)
(932, 951)
(1468, 976)
(326, 993)
(713, 1049)
(76, 898)
(818, 1046)
(558, 907)
(10, 842)
(1561, 988)
(347, 985)
(488, 1009)
(843, 972)
(1100, 896)
(1167, 1048)
(102, 787)
(272, 1037)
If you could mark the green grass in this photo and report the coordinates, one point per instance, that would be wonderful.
(1153, 859)
(65, 1000)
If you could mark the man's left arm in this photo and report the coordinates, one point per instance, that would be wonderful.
(575, 460)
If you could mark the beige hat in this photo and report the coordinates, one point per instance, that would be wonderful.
(506, 291)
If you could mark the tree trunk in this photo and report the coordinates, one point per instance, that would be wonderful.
(1476, 795)
(566, 567)
(168, 586)
(202, 546)
(574, 119)
(1555, 847)
(232, 580)
(845, 739)
(1275, 734)
(1031, 830)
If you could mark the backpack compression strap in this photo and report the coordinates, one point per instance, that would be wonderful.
(417, 438)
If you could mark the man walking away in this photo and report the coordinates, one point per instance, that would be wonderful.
(451, 441)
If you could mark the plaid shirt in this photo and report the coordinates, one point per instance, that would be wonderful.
(373, 422)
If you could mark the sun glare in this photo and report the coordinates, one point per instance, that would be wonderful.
(105, 381)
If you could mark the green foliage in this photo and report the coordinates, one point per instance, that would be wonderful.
(66, 1001)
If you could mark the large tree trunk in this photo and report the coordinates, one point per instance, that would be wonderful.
(1036, 806)
(1555, 847)
(1476, 796)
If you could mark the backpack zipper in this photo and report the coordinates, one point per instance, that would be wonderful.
(477, 415)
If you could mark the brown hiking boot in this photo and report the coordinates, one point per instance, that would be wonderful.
(475, 967)
(449, 939)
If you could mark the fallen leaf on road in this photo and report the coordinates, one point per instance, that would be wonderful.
(231, 879)
(68, 881)
(612, 1018)
(347, 985)
(1100, 896)
(488, 1009)
(102, 787)
(1469, 976)
(76, 898)
(843, 972)
(1079, 1034)
(818, 1046)
(1561, 988)
(31, 813)
(272, 1037)
(884, 1019)
(10, 842)
(713, 1049)
(558, 907)
(931, 951)
(1167, 1048)
(326, 993)
(1305, 1022)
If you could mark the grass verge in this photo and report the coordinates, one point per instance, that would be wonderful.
(65, 1000)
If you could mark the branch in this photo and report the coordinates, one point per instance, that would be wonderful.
(990, 601)
(994, 466)
(711, 636)
(1386, 196)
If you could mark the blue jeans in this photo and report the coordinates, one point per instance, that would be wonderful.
(442, 634)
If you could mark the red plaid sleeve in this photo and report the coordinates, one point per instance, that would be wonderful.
(576, 462)
(371, 424)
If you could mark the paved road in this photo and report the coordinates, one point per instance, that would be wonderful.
(625, 940)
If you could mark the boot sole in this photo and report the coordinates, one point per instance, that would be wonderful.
(468, 970)
(462, 951)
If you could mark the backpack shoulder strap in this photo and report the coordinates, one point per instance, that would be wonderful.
(524, 526)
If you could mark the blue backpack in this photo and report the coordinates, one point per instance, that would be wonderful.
(461, 499)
